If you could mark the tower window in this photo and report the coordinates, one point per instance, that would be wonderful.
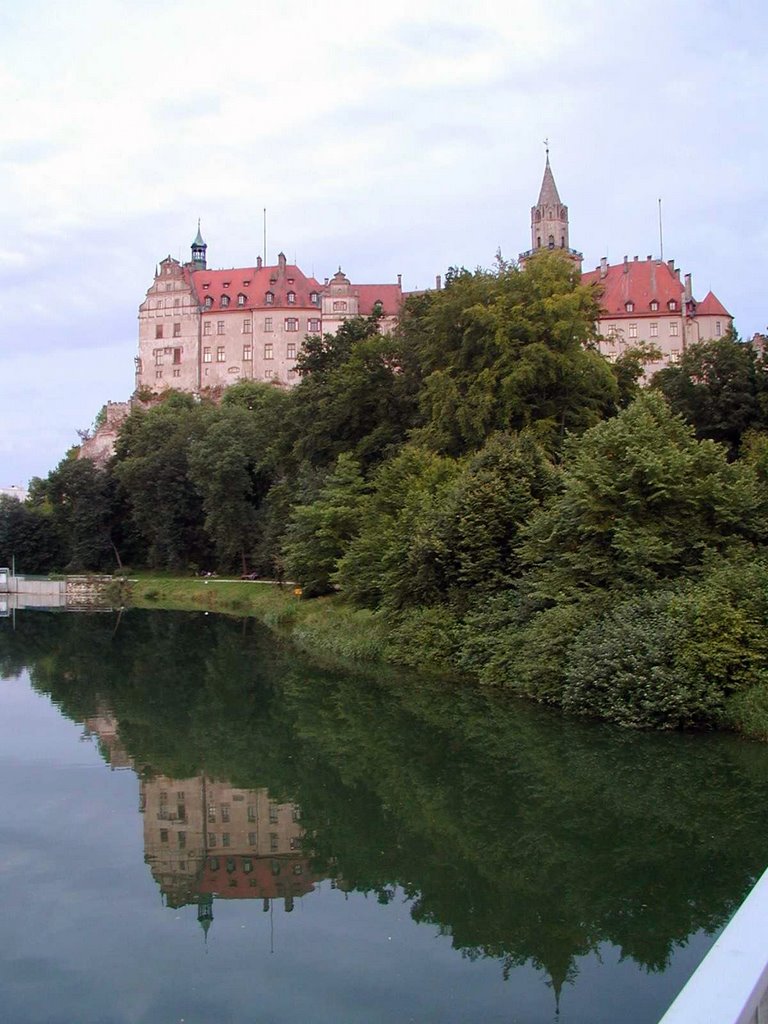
(718, 329)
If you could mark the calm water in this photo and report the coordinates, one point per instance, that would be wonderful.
(197, 826)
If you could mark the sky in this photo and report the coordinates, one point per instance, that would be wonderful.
(403, 137)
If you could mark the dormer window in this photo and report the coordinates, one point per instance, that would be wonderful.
(224, 301)
(291, 298)
(226, 284)
(208, 301)
(672, 304)
(269, 298)
(207, 284)
(241, 299)
(246, 283)
(629, 306)
(290, 280)
(654, 306)
(314, 297)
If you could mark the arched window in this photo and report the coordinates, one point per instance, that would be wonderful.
(269, 298)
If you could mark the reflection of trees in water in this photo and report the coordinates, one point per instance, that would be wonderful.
(525, 836)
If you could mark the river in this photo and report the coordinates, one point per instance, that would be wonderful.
(197, 825)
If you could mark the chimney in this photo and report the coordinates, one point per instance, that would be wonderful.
(281, 260)
(399, 280)
(649, 258)
(259, 262)
(438, 282)
(688, 288)
(634, 259)
(671, 265)
(677, 273)
(626, 264)
(603, 267)
(326, 282)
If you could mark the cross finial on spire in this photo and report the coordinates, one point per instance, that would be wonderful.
(546, 146)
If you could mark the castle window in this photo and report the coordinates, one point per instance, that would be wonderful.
(717, 329)
(551, 242)
(177, 355)
(208, 301)
(291, 298)
(246, 326)
(158, 374)
(226, 284)
(314, 297)
(219, 326)
(654, 306)
(158, 330)
(207, 327)
(291, 350)
(247, 353)
(220, 358)
(251, 838)
(241, 299)
(562, 241)
(654, 330)
(224, 301)
(177, 330)
(269, 374)
(538, 241)
(177, 302)
(291, 323)
(269, 298)
(206, 355)
(633, 330)
(339, 307)
(177, 373)
(673, 329)
(630, 307)
(313, 325)
(158, 358)
(268, 323)
(269, 350)
(246, 283)
(672, 304)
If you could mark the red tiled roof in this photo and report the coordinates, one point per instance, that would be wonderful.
(389, 295)
(710, 305)
(254, 283)
(638, 282)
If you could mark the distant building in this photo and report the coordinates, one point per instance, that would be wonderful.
(643, 301)
(206, 329)
(14, 491)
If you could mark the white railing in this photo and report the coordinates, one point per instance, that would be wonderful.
(730, 985)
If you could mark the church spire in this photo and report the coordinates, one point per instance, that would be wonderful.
(548, 195)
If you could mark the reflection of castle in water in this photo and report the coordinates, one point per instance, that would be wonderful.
(206, 839)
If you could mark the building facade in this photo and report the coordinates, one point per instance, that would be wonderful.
(202, 329)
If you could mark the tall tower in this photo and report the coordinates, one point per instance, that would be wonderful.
(549, 221)
(198, 251)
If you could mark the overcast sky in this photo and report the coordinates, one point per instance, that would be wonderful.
(385, 138)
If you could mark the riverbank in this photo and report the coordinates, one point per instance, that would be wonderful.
(330, 627)
(325, 624)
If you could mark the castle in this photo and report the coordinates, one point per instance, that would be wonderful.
(202, 329)
(643, 301)
(206, 329)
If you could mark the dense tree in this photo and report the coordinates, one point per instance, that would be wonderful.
(319, 533)
(29, 538)
(508, 350)
(719, 386)
(151, 465)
